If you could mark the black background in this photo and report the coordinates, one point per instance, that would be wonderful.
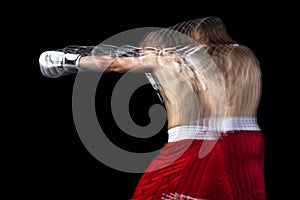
(51, 160)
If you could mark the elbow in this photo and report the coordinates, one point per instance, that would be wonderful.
(116, 68)
(119, 67)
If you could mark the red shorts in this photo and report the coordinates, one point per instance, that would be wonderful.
(233, 170)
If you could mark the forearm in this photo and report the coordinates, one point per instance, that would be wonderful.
(95, 63)
(110, 64)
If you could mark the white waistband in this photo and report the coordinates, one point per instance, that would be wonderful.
(209, 132)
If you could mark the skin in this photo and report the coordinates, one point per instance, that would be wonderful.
(148, 63)
(233, 91)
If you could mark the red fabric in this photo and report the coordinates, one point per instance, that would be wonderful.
(233, 170)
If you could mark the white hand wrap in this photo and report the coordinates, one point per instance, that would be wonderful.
(54, 64)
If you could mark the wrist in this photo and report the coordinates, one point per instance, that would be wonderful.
(71, 60)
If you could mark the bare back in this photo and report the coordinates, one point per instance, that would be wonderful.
(228, 84)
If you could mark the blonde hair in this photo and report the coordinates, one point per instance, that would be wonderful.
(206, 31)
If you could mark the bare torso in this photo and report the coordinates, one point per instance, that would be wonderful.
(193, 92)
(223, 82)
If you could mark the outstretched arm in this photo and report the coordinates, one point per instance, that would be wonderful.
(58, 63)
(54, 64)
(110, 64)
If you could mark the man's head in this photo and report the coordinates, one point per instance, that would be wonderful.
(205, 31)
